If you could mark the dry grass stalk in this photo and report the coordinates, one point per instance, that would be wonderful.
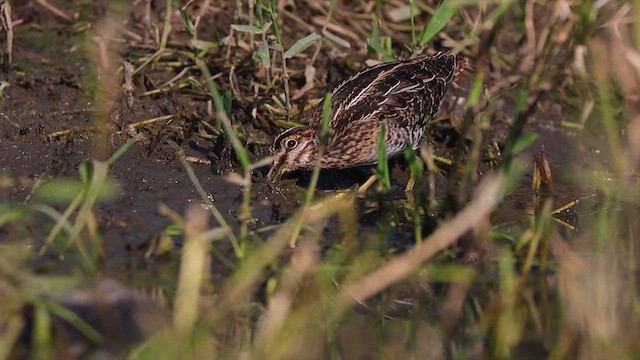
(7, 25)
(595, 318)
(54, 10)
(446, 235)
(304, 260)
(194, 269)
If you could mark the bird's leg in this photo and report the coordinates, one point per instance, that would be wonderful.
(409, 189)
(411, 183)
(367, 184)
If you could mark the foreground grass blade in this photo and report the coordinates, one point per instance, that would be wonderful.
(383, 164)
(13, 327)
(211, 206)
(72, 318)
(194, 268)
(515, 132)
(313, 183)
(489, 194)
(440, 18)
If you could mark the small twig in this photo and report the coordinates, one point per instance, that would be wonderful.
(565, 207)
(151, 121)
(162, 90)
(228, 51)
(132, 35)
(564, 223)
(233, 81)
(527, 62)
(66, 132)
(197, 160)
(215, 130)
(175, 78)
(204, 7)
(54, 10)
(127, 86)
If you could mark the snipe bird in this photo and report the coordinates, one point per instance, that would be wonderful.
(404, 95)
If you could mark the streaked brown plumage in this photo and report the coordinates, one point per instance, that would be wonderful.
(404, 95)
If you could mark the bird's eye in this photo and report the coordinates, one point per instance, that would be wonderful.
(291, 144)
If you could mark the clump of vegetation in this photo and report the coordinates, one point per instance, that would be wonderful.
(516, 241)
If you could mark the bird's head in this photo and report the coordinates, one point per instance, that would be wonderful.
(293, 149)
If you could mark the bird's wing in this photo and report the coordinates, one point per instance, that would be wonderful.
(406, 91)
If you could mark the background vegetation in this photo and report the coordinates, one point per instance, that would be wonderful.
(519, 241)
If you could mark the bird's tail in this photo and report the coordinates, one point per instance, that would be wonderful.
(461, 64)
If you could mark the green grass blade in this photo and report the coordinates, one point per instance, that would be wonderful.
(383, 164)
(272, 9)
(41, 333)
(313, 183)
(524, 142)
(374, 42)
(120, 151)
(415, 166)
(218, 102)
(476, 91)
(251, 29)
(301, 45)
(263, 55)
(185, 18)
(72, 318)
(214, 210)
(519, 120)
(440, 18)
(63, 191)
(9, 215)
(326, 117)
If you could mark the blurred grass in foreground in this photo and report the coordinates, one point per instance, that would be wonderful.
(538, 294)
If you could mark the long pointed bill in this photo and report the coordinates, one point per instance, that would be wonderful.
(276, 170)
